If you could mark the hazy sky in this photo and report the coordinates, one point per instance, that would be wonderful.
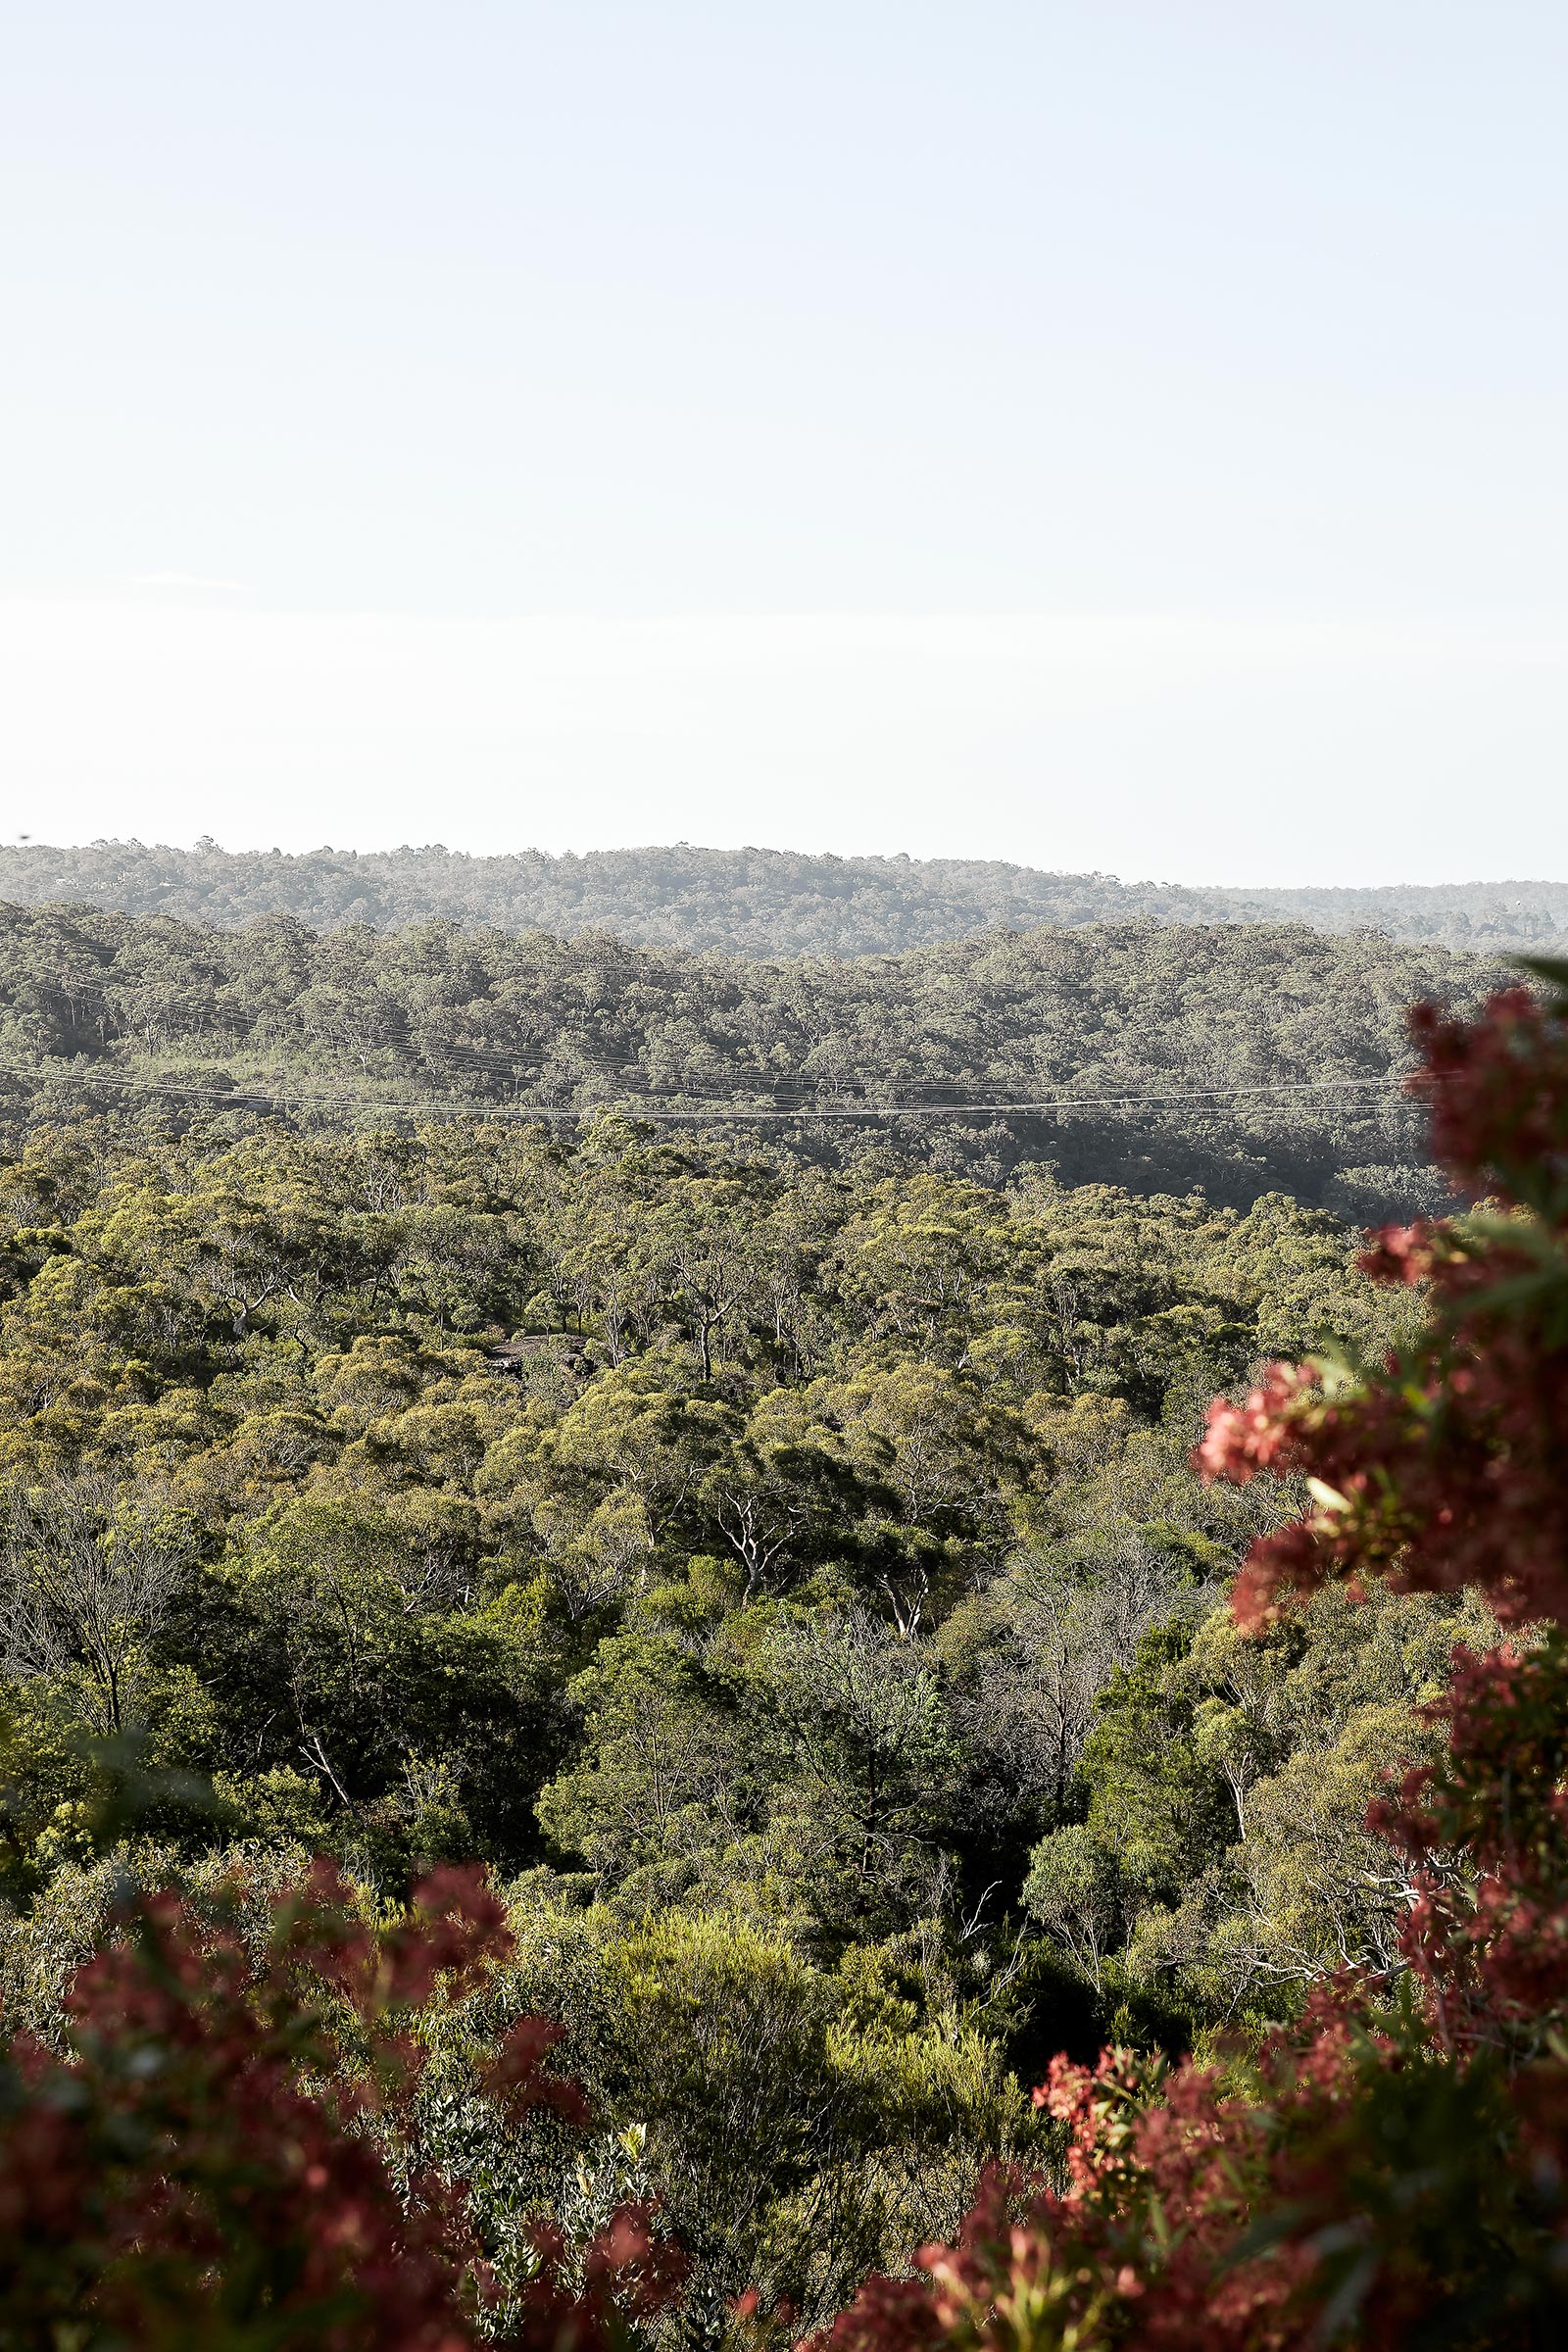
(1127, 434)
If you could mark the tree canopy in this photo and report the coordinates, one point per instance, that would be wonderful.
(1239, 1059)
(613, 1701)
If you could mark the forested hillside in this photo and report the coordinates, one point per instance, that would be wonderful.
(587, 1707)
(1239, 1059)
(752, 901)
(793, 1584)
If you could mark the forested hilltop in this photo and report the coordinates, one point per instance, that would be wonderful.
(1238, 1060)
(752, 901)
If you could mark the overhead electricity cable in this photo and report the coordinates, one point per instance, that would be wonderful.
(308, 1097)
(791, 1093)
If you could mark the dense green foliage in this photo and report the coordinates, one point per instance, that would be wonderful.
(1388, 2166)
(741, 901)
(792, 1581)
(796, 1587)
(1241, 1059)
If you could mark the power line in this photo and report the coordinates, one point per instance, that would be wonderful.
(715, 1112)
(791, 1093)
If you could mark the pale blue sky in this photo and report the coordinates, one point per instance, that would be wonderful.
(1213, 355)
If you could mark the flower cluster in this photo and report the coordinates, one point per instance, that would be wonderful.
(1498, 1106)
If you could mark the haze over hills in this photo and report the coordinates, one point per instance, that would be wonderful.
(749, 902)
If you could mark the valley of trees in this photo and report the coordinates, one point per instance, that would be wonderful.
(589, 1706)
(1239, 1059)
(752, 901)
(791, 1584)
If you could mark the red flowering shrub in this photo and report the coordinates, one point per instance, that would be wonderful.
(1394, 2170)
(1447, 1468)
(199, 2167)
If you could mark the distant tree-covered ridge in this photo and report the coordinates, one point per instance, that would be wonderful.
(1235, 1060)
(751, 901)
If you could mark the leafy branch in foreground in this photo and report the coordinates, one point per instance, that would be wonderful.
(212, 2157)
